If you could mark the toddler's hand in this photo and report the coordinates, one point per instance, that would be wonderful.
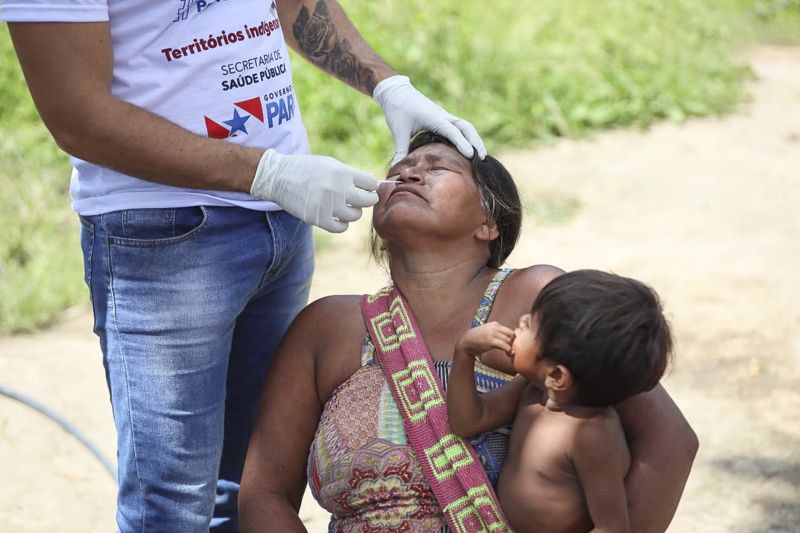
(482, 339)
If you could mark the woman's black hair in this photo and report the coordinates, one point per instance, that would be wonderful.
(499, 198)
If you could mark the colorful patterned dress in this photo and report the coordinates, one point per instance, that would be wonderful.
(361, 467)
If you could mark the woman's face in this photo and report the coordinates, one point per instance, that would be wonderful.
(435, 193)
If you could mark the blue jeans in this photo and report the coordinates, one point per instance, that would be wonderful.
(189, 304)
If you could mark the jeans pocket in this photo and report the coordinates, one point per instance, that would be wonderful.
(149, 228)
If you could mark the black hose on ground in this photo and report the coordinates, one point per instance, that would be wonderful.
(68, 426)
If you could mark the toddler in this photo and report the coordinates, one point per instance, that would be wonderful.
(590, 341)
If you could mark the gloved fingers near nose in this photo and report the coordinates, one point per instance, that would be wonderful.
(360, 198)
(322, 215)
(346, 213)
(333, 226)
(363, 191)
(365, 181)
(317, 189)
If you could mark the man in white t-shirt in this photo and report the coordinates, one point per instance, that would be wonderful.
(195, 192)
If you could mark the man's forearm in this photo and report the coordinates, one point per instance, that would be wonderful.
(136, 142)
(70, 85)
(320, 31)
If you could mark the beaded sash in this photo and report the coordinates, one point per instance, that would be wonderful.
(454, 473)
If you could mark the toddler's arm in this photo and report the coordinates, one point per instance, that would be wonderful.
(471, 413)
(600, 458)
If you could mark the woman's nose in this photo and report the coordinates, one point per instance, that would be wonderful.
(411, 174)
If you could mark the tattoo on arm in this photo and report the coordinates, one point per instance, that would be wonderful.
(319, 41)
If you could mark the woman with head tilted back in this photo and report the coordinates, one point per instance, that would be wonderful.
(331, 417)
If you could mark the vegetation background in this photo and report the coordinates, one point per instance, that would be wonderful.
(523, 73)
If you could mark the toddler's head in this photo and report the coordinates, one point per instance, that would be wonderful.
(606, 330)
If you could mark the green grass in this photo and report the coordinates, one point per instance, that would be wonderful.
(769, 21)
(522, 72)
(40, 259)
(547, 70)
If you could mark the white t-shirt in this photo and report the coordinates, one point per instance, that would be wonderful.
(218, 68)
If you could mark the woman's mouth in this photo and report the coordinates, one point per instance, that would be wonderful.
(405, 189)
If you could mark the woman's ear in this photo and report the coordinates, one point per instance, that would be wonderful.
(559, 378)
(487, 232)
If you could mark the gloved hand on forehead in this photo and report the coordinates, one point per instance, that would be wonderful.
(408, 112)
(317, 189)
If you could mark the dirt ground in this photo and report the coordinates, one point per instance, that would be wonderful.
(708, 212)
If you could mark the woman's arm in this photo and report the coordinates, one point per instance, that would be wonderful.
(274, 471)
(663, 447)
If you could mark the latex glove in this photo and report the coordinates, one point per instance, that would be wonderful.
(318, 189)
(408, 112)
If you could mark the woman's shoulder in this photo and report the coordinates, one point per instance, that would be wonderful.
(334, 329)
(533, 278)
(332, 315)
(519, 290)
(336, 303)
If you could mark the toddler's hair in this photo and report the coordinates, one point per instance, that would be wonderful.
(608, 330)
